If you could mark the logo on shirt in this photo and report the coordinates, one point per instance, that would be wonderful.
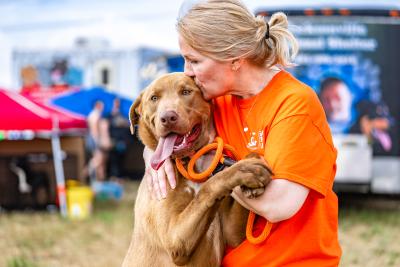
(256, 141)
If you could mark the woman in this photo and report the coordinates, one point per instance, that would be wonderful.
(236, 59)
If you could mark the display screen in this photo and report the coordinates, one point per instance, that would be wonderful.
(352, 64)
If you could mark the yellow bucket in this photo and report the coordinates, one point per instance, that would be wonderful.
(79, 202)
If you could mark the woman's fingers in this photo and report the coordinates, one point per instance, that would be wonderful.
(156, 186)
(149, 181)
(162, 182)
(170, 172)
(157, 180)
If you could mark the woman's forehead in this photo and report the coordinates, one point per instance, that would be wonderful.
(187, 50)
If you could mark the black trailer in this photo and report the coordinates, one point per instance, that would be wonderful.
(350, 56)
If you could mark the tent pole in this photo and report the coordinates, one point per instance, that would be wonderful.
(59, 169)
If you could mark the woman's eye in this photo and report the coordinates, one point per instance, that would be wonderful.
(154, 98)
(186, 92)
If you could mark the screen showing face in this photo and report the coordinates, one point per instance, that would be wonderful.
(351, 64)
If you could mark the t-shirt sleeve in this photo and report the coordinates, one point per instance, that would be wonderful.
(298, 151)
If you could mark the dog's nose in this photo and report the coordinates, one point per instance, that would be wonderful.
(169, 118)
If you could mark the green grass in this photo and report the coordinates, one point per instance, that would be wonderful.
(41, 239)
(20, 262)
(369, 232)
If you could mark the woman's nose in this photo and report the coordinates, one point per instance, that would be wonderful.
(188, 70)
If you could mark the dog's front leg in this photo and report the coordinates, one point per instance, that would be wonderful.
(233, 220)
(186, 229)
(182, 239)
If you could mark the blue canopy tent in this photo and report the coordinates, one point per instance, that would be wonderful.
(82, 101)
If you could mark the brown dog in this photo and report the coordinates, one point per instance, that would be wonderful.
(193, 224)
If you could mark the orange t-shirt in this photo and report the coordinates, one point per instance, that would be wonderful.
(286, 123)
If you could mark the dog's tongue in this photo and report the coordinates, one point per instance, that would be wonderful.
(163, 151)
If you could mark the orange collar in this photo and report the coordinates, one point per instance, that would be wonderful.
(190, 174)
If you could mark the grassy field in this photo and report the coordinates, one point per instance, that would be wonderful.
(369, 234)
(369, 231)
(37, 239)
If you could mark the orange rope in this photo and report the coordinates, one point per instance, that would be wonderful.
(219, 146)
(190, 174)
(249, 230)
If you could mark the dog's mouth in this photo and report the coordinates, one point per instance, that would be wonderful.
(175, 144)
(183, 142)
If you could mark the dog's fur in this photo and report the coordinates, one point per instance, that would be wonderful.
(191, 227)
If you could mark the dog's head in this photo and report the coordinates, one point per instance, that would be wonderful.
(173, 118)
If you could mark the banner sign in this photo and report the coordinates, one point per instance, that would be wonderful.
(352, 64)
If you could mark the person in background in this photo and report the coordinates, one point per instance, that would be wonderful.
(98, 142)
(58, 75)
(119, 132)
(30, 82)
(375, 122)
(237, 61)
(336, 99)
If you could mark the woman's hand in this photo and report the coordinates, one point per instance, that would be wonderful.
(156, 180)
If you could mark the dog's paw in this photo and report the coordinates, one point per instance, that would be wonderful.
(252, 173)
(252, 192)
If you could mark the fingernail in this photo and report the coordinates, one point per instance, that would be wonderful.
(164, 195)
(173, 185)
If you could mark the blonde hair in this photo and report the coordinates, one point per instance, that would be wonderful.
(226, 30)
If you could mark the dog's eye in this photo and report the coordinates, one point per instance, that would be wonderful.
(154, 98)
(186, 92)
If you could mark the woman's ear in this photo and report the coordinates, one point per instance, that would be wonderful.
(135, 112)
(236, 64)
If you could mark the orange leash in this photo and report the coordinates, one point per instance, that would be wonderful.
(190, 174)
(255, 240)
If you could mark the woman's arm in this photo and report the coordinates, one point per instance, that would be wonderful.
(281, 200)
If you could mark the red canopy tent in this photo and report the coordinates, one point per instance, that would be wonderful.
(20, 113)
(23, 118)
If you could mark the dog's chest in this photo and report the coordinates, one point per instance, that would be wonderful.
(192, 187)
(201, 164)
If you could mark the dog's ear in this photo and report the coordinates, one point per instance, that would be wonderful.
(135, 112)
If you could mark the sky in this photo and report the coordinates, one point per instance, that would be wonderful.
(55, 24)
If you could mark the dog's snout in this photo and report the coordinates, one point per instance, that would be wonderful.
(169, 118)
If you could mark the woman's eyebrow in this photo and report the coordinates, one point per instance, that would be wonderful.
(188, 56)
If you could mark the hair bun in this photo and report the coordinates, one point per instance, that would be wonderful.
(280, 19)
(262, 28)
